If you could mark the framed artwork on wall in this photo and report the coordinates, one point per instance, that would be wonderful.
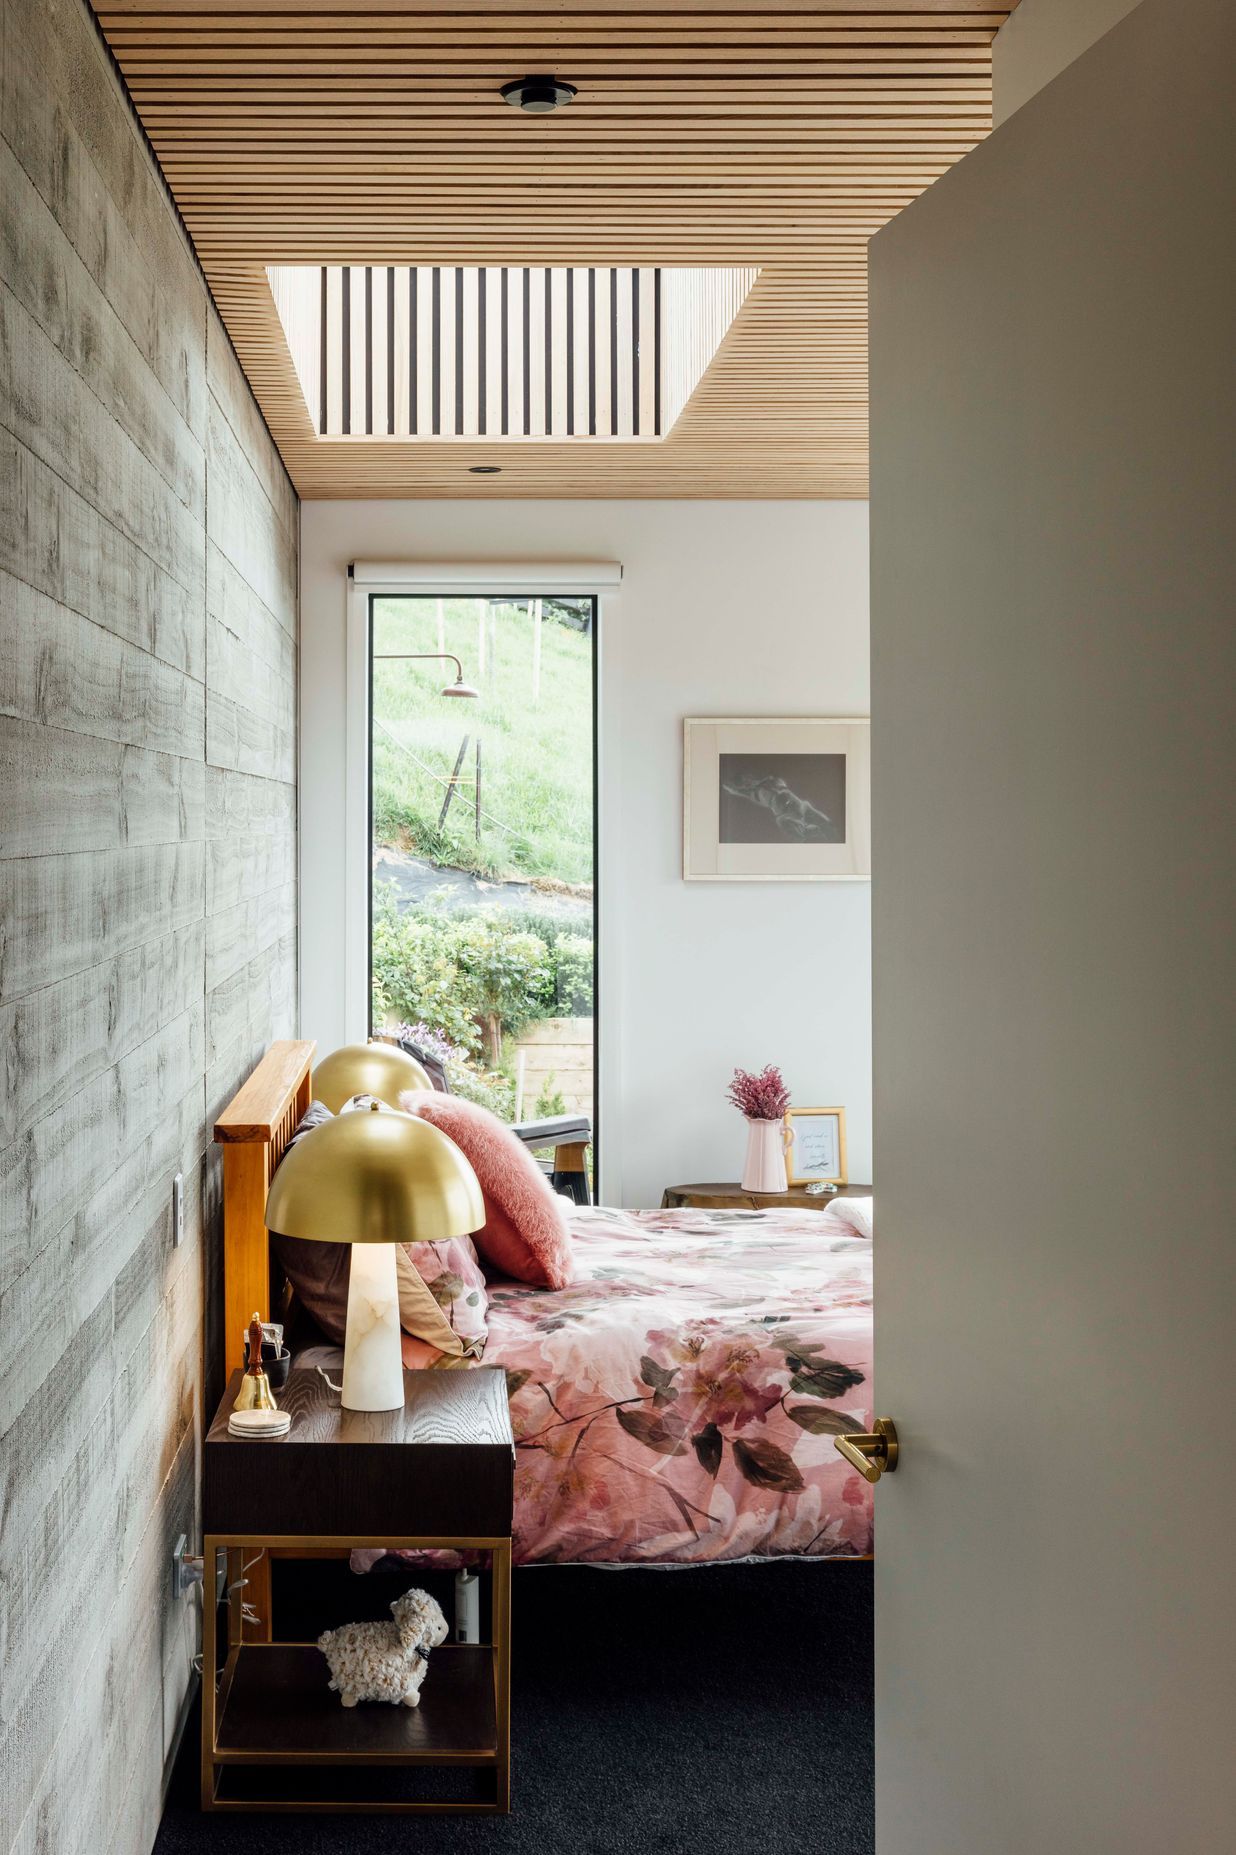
(776, 800)
(815, 1146)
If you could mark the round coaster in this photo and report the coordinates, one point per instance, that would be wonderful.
(260, 1423)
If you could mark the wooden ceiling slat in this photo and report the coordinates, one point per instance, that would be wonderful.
(482, 74)
(451, 41)
(120, 11)
(779, 135)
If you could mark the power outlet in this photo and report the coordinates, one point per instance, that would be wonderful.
(178, 1210)
(186, 1567)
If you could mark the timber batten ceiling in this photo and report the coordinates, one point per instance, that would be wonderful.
(779, 137)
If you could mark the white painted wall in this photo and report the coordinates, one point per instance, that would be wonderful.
(1039, 39)
(726, 608)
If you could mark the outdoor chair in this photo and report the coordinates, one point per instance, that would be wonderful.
(570, 1135)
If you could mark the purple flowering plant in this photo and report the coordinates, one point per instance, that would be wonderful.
(762, 1097)
(431, 1041)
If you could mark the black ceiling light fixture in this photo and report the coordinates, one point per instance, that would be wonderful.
(538, 95)
(484, 470)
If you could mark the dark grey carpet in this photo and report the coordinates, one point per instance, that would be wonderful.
(722, 1711)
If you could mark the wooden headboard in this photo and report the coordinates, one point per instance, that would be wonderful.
(254, 1130)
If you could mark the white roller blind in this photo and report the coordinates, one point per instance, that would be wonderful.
(485, 576)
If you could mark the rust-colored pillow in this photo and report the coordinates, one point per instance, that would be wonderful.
(525, 1233)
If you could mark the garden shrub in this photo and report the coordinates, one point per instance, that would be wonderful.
(468, 976)
(508, 977)
(572, 956)
(550, 1100)
(416, 975)
(489, 1088)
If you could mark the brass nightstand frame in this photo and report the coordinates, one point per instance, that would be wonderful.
(214, 1700)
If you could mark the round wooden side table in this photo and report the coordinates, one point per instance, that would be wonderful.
(730, 1197)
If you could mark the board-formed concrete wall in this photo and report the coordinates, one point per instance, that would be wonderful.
(148, 638)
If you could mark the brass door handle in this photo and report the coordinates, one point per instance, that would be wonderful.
(871, 1455)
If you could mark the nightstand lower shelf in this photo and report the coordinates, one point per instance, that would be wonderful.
(276, 1709)
(275, 1737)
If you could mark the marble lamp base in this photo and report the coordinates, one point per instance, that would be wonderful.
(372, 1353)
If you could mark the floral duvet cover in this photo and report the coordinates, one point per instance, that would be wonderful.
(678, 1402)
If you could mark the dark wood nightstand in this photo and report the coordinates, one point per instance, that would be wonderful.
(727, 1197)
(438, 1473)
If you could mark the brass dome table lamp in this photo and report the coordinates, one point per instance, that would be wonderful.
(374, 1180)
(373, 1068)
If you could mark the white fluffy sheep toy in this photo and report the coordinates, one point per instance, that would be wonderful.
(385, 1661)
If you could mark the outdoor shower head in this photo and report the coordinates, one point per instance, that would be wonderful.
(457, 688)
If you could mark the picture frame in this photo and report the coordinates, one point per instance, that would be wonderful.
(815, 1146)
(776, 799)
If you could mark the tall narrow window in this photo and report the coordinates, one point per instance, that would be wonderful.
(483, 842)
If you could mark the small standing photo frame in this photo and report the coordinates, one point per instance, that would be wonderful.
(815, 1146)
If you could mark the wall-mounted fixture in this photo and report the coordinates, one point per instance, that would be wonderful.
(186, 1567)
(457, 688)
(538, 95)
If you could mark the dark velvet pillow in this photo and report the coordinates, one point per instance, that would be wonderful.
(318, 1272)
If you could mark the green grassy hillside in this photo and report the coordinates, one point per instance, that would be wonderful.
(536, 756)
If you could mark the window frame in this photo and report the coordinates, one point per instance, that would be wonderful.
(598, 581)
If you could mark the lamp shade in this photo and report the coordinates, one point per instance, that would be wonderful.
(374, 1178)
(380, 1069)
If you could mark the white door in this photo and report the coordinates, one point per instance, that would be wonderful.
(1054, 660)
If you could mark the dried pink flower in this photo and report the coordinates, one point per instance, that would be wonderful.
(762, 1097)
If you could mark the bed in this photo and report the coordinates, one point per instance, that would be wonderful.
(677, 1404)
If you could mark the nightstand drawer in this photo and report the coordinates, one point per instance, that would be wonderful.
(444, 1464)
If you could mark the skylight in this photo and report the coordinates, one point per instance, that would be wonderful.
(458, 351)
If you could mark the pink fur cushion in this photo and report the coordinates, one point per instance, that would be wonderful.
(525, 1234)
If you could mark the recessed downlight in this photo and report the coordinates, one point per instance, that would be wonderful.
(484, 470)
(538, 95)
